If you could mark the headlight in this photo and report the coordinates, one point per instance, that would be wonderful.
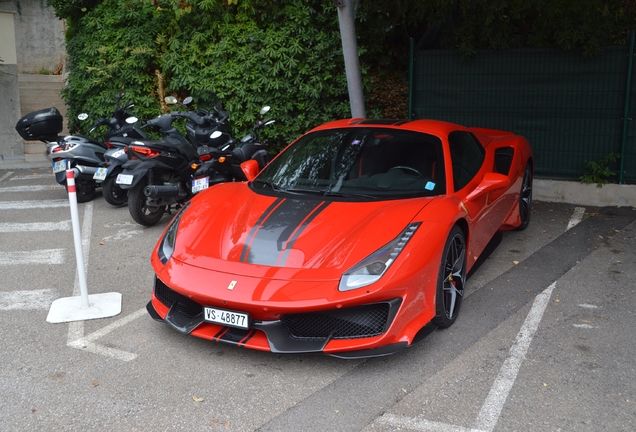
(166, 247)
(373, 267)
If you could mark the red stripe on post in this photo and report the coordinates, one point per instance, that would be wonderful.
(70, 181)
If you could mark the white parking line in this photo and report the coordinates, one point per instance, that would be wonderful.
(22, 205)
(491, 410)
(76, 338)
(6, 176)
(33, 188)
(42, 256)
(26, 300)
(576, 218)
(33, 177)
(35, 226)
(86, 343)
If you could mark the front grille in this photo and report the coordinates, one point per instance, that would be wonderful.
(171, 298)
(350, 323)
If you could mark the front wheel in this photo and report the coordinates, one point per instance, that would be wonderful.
(451, 280)
(113, 193)
(139, 209)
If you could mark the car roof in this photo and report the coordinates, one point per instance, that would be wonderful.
(433, 127)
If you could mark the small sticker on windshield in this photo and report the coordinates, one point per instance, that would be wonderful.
(429, 186)
(355, 142)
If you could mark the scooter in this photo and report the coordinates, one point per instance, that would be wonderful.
(167, 164)
(83, 154)
(166, 173)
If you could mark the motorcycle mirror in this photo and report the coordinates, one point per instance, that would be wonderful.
(265, 110)
(216, 134)
(170, 100)
(267, 123)
(187, 100)
(132, 120)
(82, 116)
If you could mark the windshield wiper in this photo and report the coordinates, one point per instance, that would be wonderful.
(346, 195)
(272, 185)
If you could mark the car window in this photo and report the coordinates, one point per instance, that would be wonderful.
(358, 163)
(467, 155)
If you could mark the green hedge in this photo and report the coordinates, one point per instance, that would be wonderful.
(286, 56)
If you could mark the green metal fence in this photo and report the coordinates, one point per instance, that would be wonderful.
(570, 107)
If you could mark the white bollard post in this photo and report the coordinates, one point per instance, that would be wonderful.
(84, 307)
(77, 236)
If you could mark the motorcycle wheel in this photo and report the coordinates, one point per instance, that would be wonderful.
(84, 190)
(140, 211)
(113, 193)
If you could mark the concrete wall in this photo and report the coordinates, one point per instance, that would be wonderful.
(10, 142)
(39, 37)
(31, 41)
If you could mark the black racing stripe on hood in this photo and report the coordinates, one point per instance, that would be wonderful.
(257, 225)
(299, 230)
(270, 241)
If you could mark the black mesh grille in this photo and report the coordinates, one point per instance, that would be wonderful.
(168, 297)
(350, 323)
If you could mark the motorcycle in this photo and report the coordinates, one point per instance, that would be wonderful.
(165, 173)
(85, 155)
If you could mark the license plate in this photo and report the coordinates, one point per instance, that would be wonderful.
(100, 174)
(118, 153)
(59, 166)
(226, 318)
(126, 179)
(200, 184)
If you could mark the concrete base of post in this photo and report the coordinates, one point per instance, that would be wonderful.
(69, 309)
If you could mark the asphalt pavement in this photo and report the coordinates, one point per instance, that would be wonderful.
(544, 341)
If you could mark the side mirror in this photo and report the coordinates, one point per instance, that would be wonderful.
(170, 100)
(490, 182)
(82, 116)
(187, 100)
(265, 110)
(250, 169)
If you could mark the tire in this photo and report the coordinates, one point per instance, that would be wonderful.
(525, 198)
(113, 193)
(84, 190)
(451, 280)
(139, 210)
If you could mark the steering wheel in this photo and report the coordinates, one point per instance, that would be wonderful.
(408, 169)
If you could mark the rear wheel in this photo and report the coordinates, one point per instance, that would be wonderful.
(84, 190)
(451, 280)
(112, 192)
(525, 198)
(140, 211)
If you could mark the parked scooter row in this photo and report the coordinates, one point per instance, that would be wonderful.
(86, 156)
(166, 173)
(154, 176)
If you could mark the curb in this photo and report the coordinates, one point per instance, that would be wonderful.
(570, 192)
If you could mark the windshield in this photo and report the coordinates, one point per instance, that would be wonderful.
(358, 163)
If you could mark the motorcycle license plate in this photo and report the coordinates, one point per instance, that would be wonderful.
(200, 184)
(125, 179)
(59, 166)
(117, 154)
(100, 174)
(226, 318)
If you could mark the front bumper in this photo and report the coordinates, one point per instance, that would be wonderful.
(353, 330)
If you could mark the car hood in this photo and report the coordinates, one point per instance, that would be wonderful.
(231, 228)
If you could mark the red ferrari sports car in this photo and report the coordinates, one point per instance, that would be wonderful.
(354, 241)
